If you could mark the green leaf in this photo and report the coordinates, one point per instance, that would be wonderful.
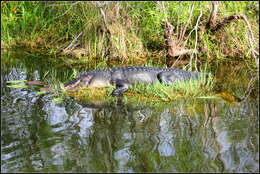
(57, 99)
(41, 92)
(16, 81)
(17, 86)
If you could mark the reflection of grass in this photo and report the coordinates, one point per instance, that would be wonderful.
(200, 88)
(95, 95)
(228, 97)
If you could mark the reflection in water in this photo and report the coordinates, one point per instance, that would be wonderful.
(195, 135)
(235, 139)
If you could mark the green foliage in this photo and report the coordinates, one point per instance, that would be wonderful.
(53, 25)
(180, 89)
(22, 18)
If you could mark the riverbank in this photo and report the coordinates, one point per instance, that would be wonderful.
(135, 33)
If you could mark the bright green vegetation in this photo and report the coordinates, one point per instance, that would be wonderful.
(180, 89)
(136, 30)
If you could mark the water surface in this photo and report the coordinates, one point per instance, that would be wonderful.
(186, 135)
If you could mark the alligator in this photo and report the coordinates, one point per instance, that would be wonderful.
(125, 76)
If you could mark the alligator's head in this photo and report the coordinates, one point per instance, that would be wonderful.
(80, 82)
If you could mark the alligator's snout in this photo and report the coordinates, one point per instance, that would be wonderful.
(72, 85)
(78, 83)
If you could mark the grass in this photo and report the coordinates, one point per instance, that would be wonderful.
(201, 88)
(137, 29)
(180, 89)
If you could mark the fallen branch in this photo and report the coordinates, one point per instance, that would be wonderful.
(74, 43)
(215, 24)
(224, 21)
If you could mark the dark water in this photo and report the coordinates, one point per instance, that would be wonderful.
(196, 135)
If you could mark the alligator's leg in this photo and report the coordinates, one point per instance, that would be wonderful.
(170, 77)
(121, 87)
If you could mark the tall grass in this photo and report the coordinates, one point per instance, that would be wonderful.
(136, 32)
(181, 89)
(23, 20)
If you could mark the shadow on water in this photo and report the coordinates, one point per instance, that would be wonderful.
(191, 135)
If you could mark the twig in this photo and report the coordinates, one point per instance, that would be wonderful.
(251, 40)
(248, 90)
(161, 5)
(196, 41)
(213, 15)
(104, 16)
(73, 44)
(179, 36)
(221, 22)
(215, 25)
(99, 4)
(65, 11)
(177, 27)
(53, 5)
(188, 36)
(249, 27)
(175, 61)
(185, 27)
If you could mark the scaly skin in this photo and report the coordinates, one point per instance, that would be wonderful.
(123, 77)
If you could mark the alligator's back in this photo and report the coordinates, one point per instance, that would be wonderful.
(144, 74)
(134, 74)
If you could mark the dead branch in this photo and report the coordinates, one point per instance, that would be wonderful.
(196, 41)
(224, 21)
(102, 8)
(213, 15)
(173, 47)
(249, 89)
(63, 13)
(103, 16)
(215, 24)
(171, 44)
(161, 6)
(74, 43)
(251, 40)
